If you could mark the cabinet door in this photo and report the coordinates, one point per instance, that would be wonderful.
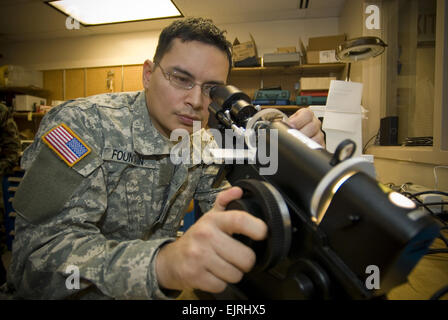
(53, 81)
(103, 80)
(132, 78)
(74, 83)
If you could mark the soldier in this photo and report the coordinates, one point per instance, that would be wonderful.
(9, 158)
(101, 201)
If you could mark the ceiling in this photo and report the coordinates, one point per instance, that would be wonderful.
(28, 20)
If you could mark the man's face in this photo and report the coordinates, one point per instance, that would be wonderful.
(171, 107)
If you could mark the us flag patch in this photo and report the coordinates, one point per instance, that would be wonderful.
(67, 145)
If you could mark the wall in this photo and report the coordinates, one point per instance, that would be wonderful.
(351, 23)
(135, 48)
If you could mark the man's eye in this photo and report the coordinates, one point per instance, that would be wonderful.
(181, 79)
(207, 87)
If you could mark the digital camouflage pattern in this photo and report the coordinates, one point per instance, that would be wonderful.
(130, 201)
(10, 141)
(10, 148)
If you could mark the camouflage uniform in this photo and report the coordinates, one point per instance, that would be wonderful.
(9, 157)
(108, 214)
(10, 142)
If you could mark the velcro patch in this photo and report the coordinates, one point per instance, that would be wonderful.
(67, 145)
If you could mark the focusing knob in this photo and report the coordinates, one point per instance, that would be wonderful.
(344, 151)
(262, 200)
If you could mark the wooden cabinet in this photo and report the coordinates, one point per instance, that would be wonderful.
(132, 78)
(75, 83)
(103, 80)
(54, 83)
(83, 82)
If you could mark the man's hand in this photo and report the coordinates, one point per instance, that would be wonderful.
(305, 121)
(207, 257)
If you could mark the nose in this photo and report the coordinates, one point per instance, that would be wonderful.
(195, 97)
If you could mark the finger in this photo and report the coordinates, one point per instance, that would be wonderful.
(310, 129)
(224, 197)
(301, 118)
(241, 222)
(209, 282)
(319, 138)
(235, 253)
(224, 269)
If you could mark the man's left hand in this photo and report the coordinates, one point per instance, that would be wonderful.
(305, 121)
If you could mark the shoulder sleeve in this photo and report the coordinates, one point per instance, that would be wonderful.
(85, 122)
(56, 164)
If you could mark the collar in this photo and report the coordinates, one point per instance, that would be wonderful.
(149, 141)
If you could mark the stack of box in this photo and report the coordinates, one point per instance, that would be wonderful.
(313, 91)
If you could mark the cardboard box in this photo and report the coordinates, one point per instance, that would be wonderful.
(245, 50)
(281, 59)
(323, 49)
(286, 50)
(325, 43)
(324, 56)
(315, 83)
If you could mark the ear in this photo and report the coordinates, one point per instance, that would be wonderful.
(148, 68)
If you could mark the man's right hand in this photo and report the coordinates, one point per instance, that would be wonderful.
(207, 257)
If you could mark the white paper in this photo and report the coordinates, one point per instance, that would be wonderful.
(343, 115)
(347, 122)
(349, 128)
(344, 96)
(319, 111)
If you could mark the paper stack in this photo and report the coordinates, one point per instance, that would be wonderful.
(343, 114)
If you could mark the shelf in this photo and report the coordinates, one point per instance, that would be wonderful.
(301, 70)
(31, 90)
(285, 107)
(26, 114)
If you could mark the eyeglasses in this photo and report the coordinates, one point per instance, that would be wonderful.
(181, 81)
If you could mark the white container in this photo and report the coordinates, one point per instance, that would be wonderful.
(23, 102)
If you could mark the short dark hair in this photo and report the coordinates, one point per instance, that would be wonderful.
(189, 29)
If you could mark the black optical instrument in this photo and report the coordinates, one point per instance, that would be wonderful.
(330, 221)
